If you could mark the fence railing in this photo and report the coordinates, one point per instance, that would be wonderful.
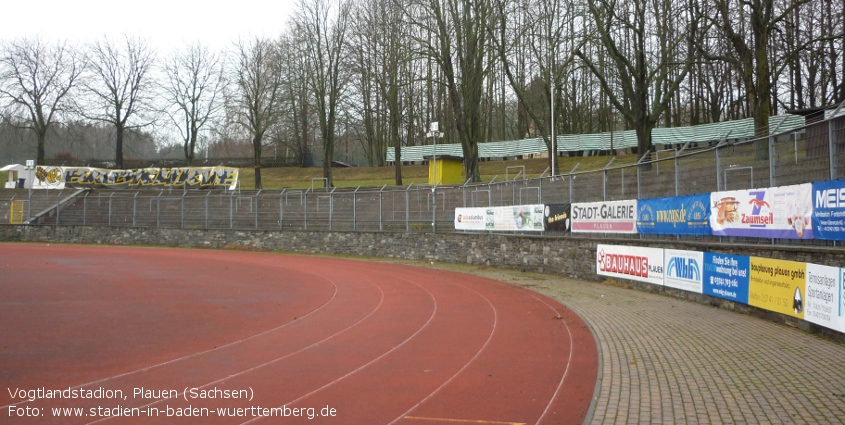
(811, 153)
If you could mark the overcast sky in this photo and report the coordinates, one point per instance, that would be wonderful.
(166, 24)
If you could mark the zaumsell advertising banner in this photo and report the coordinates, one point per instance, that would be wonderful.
(779, 212)
(822, 297)
(630, 262)
(829, 210)
(522, 218)
(726, 276)
(605, 217)
(557, 217)
(777, 285)
(683, 270)
(682, 215)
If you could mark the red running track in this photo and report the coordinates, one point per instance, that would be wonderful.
(153, 332)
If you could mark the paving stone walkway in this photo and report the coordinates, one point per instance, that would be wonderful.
(671, 361)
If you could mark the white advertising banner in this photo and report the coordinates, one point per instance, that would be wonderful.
(822, 296)
(605, 217)
(683, 270)
(519, 218)
(630, 262)
(776, 212)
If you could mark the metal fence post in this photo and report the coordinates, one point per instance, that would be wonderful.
(58, 207)
(831, 129)
(206, 209)
(305, 217)
(256, 207)
(434, 209)
(134, 209)
(380, 202)
(182, 213)
(110, 214)
(85, 209)
(281, 209)
(718, 167)
(355, 209)
(331, 206)
(408, 208)
(772, 161)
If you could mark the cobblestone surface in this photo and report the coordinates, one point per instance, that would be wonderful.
(670, 361)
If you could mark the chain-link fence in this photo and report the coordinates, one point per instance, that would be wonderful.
(812, 153)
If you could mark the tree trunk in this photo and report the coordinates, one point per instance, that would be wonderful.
(256, 145)
(118, 151)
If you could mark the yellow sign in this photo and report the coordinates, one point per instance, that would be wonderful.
(777, 285)
(16, 212)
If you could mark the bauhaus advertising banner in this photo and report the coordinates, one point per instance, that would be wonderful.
(100, 178)
(630, 262)
(829, 210)
(522, 218)
(779, 212)
(605, 217)
(681, 215)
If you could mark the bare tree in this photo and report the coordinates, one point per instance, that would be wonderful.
(323, 24)
(647, 72)
(37, 78)
(259, 80)
(193, 90)
(460, 32)
(119, 88)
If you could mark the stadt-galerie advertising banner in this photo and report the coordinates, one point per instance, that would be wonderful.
(680, 215)
(522, 218)
(605, 217)
(781, 212)
(829, 210)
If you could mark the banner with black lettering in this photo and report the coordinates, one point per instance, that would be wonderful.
(557, 217)
(605, 217)
(181, 177)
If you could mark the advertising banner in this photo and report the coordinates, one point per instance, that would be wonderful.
(557, 217)
(470, 218)
(683, 270)
(681, 215)
(726, 276)
(841, 300)
(605, 217)
(822, 298)
(779, 212)
(521, 218)
(777, 285)
(829, 210)
(629, 262)
(47, 177)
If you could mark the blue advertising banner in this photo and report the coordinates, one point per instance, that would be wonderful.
(681, 215)
(829, 210)
(726, 276)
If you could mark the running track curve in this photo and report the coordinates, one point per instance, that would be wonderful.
(378, 343)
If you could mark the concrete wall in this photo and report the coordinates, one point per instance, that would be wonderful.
(568, 256)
